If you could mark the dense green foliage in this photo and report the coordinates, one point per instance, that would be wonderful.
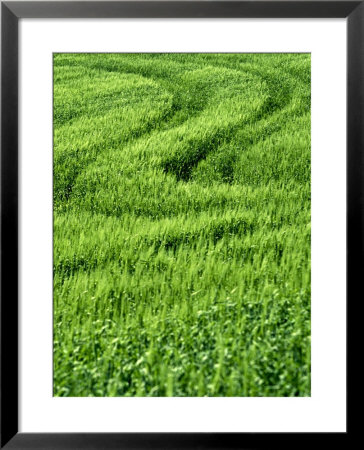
(181, 225)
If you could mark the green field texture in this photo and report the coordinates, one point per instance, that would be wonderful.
(182, 224)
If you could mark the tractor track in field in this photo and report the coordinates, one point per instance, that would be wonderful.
(183, 169)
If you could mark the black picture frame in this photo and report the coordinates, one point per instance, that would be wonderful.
(11, 12)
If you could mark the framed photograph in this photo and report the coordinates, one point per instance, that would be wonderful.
(181, 221)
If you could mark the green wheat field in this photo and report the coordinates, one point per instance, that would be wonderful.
(182, 224)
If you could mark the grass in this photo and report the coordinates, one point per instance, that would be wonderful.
(182, 224)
